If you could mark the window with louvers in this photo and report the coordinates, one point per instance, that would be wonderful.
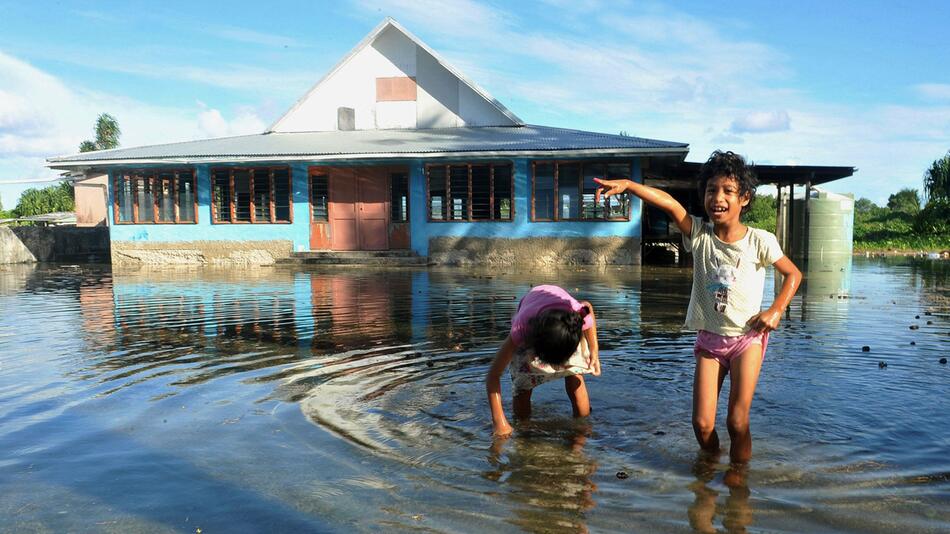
(470, 192)
(259, 195)
(154, 197)
(565, 191)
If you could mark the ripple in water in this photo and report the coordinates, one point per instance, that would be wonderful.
(323, 399)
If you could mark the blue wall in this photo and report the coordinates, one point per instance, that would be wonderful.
(203, 230)
(422, 230)
(521, 226)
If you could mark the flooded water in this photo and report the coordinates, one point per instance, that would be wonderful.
(354, 400)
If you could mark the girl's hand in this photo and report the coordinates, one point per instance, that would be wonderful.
(609, 188)
(595, 363)
(765, 321)
(502, 430)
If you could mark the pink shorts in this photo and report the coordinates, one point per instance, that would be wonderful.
(727, 348)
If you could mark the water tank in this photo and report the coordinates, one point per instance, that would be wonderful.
(820, 241)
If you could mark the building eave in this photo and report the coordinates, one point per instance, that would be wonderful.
(477, 154)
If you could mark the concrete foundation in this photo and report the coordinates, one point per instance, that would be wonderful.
(539, 251)
(132, 253)
(28, 244)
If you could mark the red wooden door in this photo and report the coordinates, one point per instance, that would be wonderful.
(359, 209)
(373, 210)
(344, 221)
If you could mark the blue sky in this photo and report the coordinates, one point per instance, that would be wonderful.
(859, 83)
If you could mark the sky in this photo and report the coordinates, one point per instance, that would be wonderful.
(851, 83)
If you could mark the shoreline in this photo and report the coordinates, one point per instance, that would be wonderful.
(932, 254)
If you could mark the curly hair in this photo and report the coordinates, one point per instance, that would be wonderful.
(731, 165)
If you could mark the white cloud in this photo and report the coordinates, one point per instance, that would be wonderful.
(933, 91)
(660, 73)
(41, 117)
(212, 123)
(761, 122)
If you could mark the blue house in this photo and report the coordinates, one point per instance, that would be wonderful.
(392, 150)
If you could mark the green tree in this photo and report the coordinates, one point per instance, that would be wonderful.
(107, 135)
(761, 213)
(50, 199)
(937, 179)
(905, 200)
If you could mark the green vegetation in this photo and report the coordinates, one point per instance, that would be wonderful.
(762, 213)
(59, 197)
(107, 135)
(902, 225)
(937, 179)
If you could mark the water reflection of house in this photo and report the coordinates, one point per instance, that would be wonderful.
(393, 150)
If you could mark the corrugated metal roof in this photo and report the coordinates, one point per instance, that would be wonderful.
(486, 140)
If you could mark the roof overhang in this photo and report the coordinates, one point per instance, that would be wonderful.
(82, 166)
(778, 175)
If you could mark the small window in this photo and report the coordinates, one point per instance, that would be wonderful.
(459, 193)
(282, 195)
(399, 196)
(471, 192)
(186, 197)
(501, 187)
(163, 197)
(319, 197)
(568, 176)
(257, 195)
(544, 192)
(437, 193)
(123, 199)
(144, 199)
(563, 191)
(221, 192)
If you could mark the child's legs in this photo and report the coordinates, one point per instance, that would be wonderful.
(577, 392)
(521, 404)
(745, 375)
(707, 382)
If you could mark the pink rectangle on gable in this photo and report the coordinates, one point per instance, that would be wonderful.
(397, 89)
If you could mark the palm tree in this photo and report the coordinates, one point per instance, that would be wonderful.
(937, 179)
(107, 135)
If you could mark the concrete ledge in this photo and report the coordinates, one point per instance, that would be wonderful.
(130, 253)
(540, 251)
(28, 244)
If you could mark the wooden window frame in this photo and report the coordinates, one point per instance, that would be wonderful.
(447, 202)
(251, 171)
(580, 188)
(317, 171)
(152, 176)
(391, 198)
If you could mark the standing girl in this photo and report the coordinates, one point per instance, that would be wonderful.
(729, 261)
(552, 336)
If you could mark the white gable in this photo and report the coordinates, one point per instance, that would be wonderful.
(393, 80)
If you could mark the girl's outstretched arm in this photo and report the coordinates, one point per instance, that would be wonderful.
(768, 320)
(500, 425)
(651, 195)
(591, 335)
